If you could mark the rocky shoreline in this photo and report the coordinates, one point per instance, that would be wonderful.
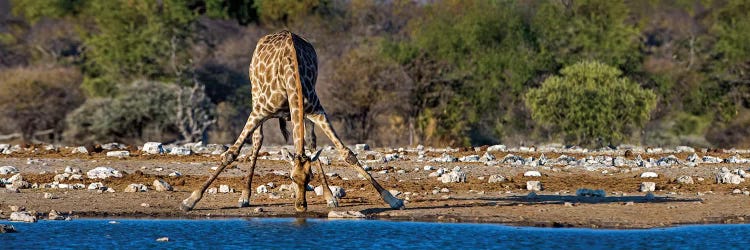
(548, 186)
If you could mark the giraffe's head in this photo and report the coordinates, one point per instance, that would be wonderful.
(302, 161)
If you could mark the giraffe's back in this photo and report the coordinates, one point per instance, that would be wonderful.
(269, 74)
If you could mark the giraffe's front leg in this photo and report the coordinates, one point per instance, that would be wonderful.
(227, 158)
(247, 191)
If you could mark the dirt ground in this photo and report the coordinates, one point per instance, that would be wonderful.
(476, 200)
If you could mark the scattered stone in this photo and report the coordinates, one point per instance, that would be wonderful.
(428, 168)
(649, 175)
(685, 180)
(345, 214)
(175, 174)
(225, 189)
(568, 204)
(120, 154)
(8, 170)
(80, 150)
(445, 158)
(181, 151)
(498, 147)
(362, 147)
(163, 239)
(533, 186)
(258, 209)
(532, 173)
(325, 160)
(153, 148)
(48, 196)
(736, 191)
(469, 158)
(445, 190)
(692, 158)
(454, 176)
(54, 215)
(711, 159)
(396, 192)
(161, 185)
(495, 178)
(133, 188)
(728, 178)
(262, 189)
(7, 229)
(212, 190)
(681, 149)
(629, 203)
(103, 173)
(96, 186)
(271, 185)
(585, 192)
(488, 157)
(145, 205)
(22, 216)
(648, 187)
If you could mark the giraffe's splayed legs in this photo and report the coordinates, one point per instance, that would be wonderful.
(322, 121)
(247, 191)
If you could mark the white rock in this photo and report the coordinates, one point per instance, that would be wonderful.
(54, 215)
(224, 189)
(161, 185)
(271, 185)
(428, 168)
(262, 189)
(498, 147)
(48, 196)
(22, 216)
(133, 188)
(685, 180)
(532, 173)
(488, 157)
(692, 158)
(153, 148)
(711, 159)
(175, 174)
(648, 186)
(728, 178)
(681, 149)
(120, 154)
(345, 214)
(445, 190)
(533, 186)
(469, 158)
(181, 150)
(649, 175)
(337, 191)
(362, 147)
(8, 170)
(445, 158)
(80, 150)
(212, 190)
(495, 178)
(96, 186)
(453, 176)
(325, 160)
(103, 173)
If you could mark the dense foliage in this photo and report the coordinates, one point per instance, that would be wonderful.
(404, 72)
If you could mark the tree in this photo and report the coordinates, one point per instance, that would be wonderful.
(39, 98)
(591, 103)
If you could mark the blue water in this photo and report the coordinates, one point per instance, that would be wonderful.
(286, 233)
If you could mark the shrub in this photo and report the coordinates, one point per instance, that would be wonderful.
(590, 103)
(34, 99)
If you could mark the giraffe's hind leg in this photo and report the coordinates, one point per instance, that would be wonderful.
(311, 141)
(322, 121)
(227, 158)
(244, 200)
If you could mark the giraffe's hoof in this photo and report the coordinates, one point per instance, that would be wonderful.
(242, 204)
(394, 202)
(332, 203)
(300, 207)
(187, 205)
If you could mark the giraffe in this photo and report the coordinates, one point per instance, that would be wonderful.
(283, 72)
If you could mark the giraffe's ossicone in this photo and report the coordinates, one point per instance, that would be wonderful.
(283, 73)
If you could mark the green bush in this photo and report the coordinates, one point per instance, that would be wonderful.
(590, 103)
(144, 110)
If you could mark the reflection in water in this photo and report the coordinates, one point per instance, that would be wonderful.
(300, 222)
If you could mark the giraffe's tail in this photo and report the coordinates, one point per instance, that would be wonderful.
(284, 130)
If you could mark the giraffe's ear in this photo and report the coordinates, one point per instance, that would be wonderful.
(316, 155)
(289, 156)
